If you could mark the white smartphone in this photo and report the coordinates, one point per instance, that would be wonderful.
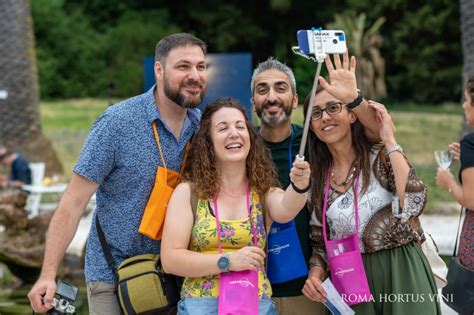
(313, 42)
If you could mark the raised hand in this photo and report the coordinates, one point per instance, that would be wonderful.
(387, 128)
(342, 78)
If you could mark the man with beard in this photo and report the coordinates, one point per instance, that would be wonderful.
(119, 162)
(274, 97)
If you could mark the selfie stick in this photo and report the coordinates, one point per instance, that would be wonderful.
(320, 56)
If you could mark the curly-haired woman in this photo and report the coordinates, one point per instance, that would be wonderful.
(230, 171)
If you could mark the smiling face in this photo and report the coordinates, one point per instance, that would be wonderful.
(273, 99)
(334, 125)
(182, 76)
(229, 135)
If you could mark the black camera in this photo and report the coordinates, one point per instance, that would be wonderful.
(64, 299)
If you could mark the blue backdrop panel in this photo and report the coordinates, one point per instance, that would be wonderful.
(228, 75)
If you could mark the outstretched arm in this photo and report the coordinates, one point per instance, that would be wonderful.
(464, 152)
(283, 206)
(343, 86)
(462, 193)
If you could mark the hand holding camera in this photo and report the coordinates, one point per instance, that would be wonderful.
(41, 294)
(65, 297)
(47, 297)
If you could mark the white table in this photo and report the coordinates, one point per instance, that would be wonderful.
(36, 191)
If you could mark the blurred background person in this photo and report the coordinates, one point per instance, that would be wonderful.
(463, 192)
(20, 173)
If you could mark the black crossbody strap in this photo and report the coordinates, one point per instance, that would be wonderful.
(105, 246)
(457, 233)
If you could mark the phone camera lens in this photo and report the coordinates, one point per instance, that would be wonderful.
(334, 41)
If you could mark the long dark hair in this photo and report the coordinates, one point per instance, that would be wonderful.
(320, 157)
(200, 164)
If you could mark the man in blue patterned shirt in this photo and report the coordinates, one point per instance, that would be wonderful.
(119, 162)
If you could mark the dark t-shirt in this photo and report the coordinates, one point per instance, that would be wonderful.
(280, 156)
(20, 170)
(467, 152)
(466, 239)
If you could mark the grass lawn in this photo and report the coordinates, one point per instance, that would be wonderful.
(420, 131)
(67, 124)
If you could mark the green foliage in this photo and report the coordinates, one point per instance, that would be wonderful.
(364, 42)
(69, 51)
(305, 70)
(75, 59)
(421, 45)
(134, 37)
(84, 45)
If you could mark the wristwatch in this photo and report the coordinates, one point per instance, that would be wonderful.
(395, 148)
(357, 101)
(223, 262)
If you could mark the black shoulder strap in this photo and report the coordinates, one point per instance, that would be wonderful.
(457, 233)
(105, 246)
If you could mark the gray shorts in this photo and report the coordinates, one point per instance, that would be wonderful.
(102, 299)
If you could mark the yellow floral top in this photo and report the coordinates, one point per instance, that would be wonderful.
(235, 234)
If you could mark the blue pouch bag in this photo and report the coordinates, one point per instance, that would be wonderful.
(285, 257)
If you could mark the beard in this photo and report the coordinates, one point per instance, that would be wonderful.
(175, 94)
(273, 120)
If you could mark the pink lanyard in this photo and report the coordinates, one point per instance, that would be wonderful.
(219, 244)
(326, 196)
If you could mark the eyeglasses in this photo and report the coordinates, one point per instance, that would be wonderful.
(333, 109)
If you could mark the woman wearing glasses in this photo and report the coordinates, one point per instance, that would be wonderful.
(349, 169)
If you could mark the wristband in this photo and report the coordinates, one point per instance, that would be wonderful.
(357, 101)
(301, 191)
(395, 148)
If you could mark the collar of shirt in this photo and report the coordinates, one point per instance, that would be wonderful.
(193, 114)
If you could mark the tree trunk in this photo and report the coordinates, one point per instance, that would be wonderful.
(467, 31)
(20, 126)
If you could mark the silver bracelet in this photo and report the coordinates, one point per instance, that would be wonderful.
(393, 149)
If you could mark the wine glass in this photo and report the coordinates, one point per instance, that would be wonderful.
(443, 158)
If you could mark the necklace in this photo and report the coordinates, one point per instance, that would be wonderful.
(231, 195)
(349, 176)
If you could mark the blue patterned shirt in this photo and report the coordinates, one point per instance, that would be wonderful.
(121, 155)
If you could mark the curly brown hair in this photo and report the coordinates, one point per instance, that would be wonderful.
(200, 167)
